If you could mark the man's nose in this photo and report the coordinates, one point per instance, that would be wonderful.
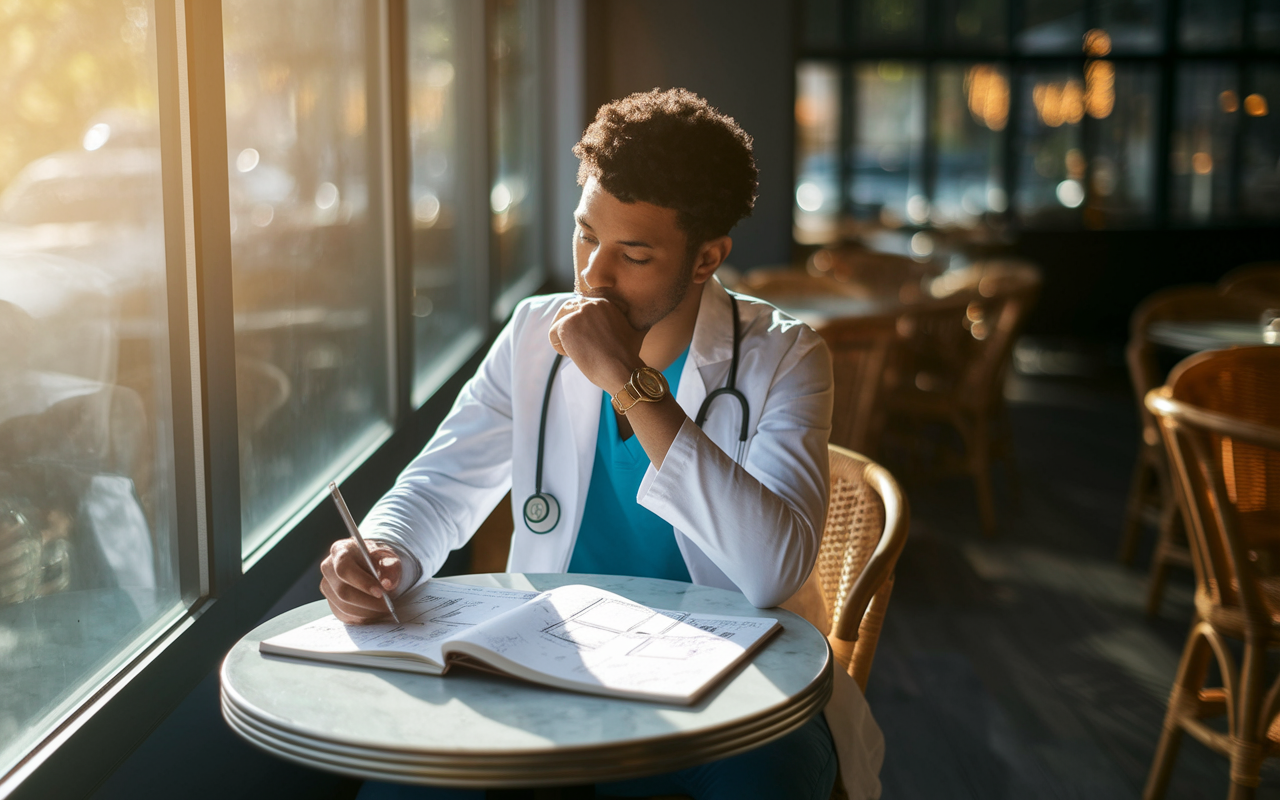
(600, 269)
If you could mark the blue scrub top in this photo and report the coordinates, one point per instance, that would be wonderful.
(619, 536)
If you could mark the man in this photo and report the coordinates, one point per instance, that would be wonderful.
(628, 482)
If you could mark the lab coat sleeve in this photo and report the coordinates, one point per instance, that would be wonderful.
(444, 494)
(760, 523)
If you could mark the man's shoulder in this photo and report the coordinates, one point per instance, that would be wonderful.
(773, 327)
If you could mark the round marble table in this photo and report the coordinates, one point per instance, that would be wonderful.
(473, 730)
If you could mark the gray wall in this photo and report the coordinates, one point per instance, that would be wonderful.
(738, 54)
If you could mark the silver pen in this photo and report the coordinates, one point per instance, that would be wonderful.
(350, 522)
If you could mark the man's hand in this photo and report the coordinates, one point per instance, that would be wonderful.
(596, 335)
(354, 595)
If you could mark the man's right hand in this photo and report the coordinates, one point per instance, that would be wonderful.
(354, 595)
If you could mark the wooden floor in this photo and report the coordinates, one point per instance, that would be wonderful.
(1022, 665)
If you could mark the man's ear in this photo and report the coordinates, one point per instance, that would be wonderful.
(710, 256)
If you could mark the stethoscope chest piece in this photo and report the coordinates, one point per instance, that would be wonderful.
(541, 512)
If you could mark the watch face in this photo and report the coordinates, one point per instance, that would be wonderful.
(649, 382)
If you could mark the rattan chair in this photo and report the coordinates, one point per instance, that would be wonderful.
(1220, 424)
(1150, 489)
(1253, 281)
(875, 274)
(865, 531)
(957, 356)
(777, 283)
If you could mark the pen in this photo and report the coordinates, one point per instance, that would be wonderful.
(345, 513)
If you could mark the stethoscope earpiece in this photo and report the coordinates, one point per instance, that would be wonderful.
(542, 510)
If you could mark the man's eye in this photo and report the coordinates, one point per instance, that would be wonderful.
(582, 237)
(636, 260)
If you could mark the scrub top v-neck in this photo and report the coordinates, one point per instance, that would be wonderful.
(618, 536)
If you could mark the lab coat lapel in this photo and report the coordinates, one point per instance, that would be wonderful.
(710, 351)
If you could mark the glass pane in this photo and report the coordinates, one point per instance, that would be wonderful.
(1266, 24)
(822, 24)
(888, 146)
(1122, 99)
(884, 23)
(1206, 114)
(1052, 26)
(513, 197)
(1260, 173)
(1132, 26)
(1051, 163)
(308, 266)
(88, 548)
(978, 24)
(817, 196)
(971, 116)
(444, 277)
(1211, 24)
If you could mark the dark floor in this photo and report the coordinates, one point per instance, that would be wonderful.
(1022, 665)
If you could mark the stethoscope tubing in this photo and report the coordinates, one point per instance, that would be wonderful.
(730, 388)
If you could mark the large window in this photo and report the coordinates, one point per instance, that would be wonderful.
(1052, 113)
(88, 551)
(320, 203)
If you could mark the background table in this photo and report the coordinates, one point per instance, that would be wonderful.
(473, 730)
(1192, 337)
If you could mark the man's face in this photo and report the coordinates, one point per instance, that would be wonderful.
(632, 254)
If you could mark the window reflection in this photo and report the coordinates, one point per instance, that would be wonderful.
(1206, 114)
(1051, 161)
(444, 304)
(1211, 24)
(1051, 26)
(1121, 100)
(307, 262)
(975, 23)
(1134, 26)
(888, 149)
(891, 22)
(513, 196)
(1260, 167)
(972, 114)
(88, 551)
(817, 193)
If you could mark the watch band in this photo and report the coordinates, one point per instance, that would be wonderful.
(635, 391)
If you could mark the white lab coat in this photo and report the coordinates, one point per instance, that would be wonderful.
(752, 527)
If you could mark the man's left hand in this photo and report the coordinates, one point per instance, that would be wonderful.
(596, 335)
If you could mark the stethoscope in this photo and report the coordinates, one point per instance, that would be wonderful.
(542, 510)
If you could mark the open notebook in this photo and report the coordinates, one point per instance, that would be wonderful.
(571, 637)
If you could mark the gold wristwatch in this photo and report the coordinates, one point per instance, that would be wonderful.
(647, 385)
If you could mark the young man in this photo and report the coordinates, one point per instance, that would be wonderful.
(616, 376)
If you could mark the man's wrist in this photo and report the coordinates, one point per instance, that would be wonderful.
(621, 376)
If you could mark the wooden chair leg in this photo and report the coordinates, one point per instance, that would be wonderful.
(1167, 551)
(1247, 748)
(1182, 701)
(1131, 533)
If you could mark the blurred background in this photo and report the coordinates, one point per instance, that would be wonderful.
(981, 194)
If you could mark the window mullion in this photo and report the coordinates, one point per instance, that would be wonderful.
(209, 270)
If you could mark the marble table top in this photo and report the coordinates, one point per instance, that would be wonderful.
(469, 729)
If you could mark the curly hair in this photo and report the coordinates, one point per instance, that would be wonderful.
(670, 148)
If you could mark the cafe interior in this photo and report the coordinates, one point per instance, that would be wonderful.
(248, 247)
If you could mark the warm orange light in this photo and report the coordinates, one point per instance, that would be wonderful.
(1202, 163)
(1097, 42)
(1228, 101)
(1058, 103)
(1255, 105)
(988, 95)
(1100, 88)
(1075, 164)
